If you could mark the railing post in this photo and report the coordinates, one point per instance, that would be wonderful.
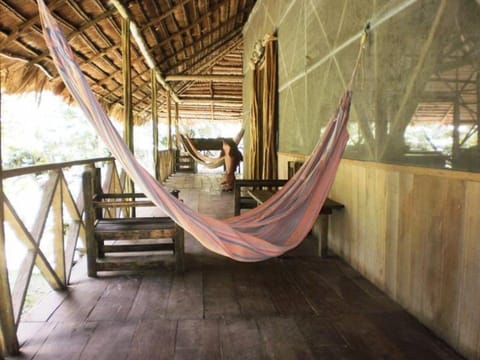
(59, 236)
(8, 329)
(87, 185)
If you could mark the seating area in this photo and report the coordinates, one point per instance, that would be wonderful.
(118, 238)
(251, 193)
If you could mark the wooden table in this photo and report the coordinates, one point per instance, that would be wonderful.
(320, 228)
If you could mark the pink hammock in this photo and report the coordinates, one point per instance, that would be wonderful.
(269, 230)
(209, 162)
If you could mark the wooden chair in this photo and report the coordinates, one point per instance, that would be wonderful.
(118, 242)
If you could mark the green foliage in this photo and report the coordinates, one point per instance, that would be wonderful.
(46, 131)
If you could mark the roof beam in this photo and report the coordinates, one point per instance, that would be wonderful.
(142, 45)
(26, 24)
(216, 78)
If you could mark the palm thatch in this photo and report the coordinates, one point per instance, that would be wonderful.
(183, 37)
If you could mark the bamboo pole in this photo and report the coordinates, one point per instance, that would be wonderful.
(8, 336)
(155, 124)
(169, 116)
(214, 101)
(127, 85)
(127, 93)
(177, 128)
(58, 233)
(142, 46)
(478, 108)
(216, 78)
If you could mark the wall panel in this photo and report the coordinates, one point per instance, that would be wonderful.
(413, 232)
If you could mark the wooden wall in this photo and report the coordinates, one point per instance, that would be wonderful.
(415, 233)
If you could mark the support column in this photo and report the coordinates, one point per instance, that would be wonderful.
(177, 128)
(127, 93)
(169, 116)
(456, 130)
(478, 108)
(8, 334)
(155, 125)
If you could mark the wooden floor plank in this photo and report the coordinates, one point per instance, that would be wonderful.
(31, 336)
(219, 295)
(287, 297)
(411, 337)
(66, 341)
(322, 337)
(154, 339)
(186, 297)
(252, 296)
(366, 340)
(319, 295)
(117, 299)
(111, 340)
(241, 338)
(152, 297)
(283, 339)
(81, 299)
(198, 339)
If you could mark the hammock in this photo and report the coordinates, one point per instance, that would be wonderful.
(269, 230)
(209, 162)
(196, 155)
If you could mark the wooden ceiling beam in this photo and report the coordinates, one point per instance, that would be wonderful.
(188, 28)
(215, 78)
(199, 67)
(143, 47)
(212, 101)
(205, 52)
(26, 24)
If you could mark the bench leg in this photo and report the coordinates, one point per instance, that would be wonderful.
(323, 246)
(91, 255)
(179, 249)
(320, 233)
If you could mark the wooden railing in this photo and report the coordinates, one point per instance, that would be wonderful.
(64, 214)
(166, 164)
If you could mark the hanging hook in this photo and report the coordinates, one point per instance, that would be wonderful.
(366, 31)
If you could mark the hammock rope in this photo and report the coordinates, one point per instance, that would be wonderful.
(269, 230)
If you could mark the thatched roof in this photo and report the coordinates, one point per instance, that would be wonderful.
(184, 37)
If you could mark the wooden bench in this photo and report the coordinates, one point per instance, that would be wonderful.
(251, 193)
(116, 241)
(244, 200)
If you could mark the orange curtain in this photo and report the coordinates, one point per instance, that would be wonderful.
(263, 114)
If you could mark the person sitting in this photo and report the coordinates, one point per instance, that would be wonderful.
(233, 157)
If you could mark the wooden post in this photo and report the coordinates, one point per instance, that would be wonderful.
(177, 128)
(478, 108)
(92, 251)
(169, 116)
(155, 124)
(456, 130)
(58, 237)
(127, 93)
(8, 335)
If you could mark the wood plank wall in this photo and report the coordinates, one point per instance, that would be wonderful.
(414, 232)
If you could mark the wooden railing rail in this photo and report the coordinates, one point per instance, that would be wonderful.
(59, 206)
(35, 169)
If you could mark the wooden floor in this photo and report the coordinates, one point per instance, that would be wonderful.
(294, 307)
